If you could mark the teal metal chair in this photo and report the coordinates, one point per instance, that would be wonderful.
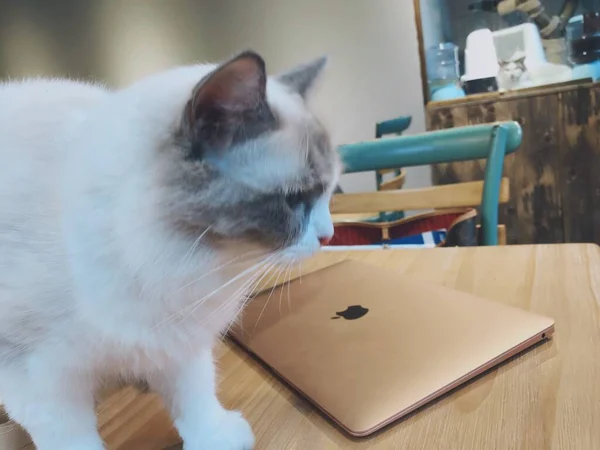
(491, 142)
(395, 127)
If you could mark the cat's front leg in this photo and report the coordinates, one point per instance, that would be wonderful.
(188, 388)
(55, 405)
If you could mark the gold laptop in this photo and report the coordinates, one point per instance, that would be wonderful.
(368, 346)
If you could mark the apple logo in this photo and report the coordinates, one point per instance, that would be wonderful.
(351, 313)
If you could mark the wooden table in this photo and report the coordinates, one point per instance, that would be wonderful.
(548, 398)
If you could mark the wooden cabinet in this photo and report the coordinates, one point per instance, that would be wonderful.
(554, 176)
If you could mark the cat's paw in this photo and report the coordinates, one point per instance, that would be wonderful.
(231, 433)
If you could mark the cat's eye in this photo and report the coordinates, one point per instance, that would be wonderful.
(305, 198)
(295, 199)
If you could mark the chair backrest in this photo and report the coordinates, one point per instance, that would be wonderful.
(491, 142)
(393, 126)
(436, 197)
(396, 127)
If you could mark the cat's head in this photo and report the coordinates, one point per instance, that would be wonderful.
(249, 164)
(513, 68)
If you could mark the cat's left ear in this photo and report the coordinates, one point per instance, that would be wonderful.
(230, 104)
(302, 78)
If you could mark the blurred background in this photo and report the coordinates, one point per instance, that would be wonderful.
(374, 73)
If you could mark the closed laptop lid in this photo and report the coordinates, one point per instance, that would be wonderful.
(368, 346)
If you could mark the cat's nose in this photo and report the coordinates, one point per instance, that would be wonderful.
(324, 240)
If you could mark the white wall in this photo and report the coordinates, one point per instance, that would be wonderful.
(115, 41)
(374, 72)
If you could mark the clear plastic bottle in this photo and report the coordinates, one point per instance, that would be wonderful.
(583, 42)
(443, 75)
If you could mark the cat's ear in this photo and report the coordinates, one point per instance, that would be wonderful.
(302, 78)
(230, 99)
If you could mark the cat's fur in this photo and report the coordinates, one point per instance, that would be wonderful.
(132, 223)
(512, 73)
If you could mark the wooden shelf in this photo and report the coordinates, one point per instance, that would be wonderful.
(554, 175)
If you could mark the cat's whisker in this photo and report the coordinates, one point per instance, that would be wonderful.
(267, 271)
(287, 274)
(292, 265)
(235, 298)
(268, 300)
(222, 307)
(283, 271)
(189, 253)
(257, 268)
(193, 247)
(246, 286)
(250, 291)
(198, 302)
(237, 260)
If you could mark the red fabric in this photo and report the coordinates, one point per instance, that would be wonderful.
(423, 225)
(368, 234)
(356, 235)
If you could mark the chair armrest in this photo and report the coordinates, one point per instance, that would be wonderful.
(455, 144)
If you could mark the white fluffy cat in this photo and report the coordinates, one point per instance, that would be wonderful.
(512, 73)
(132, 224)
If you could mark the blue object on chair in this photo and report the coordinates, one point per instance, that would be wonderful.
(393, 126)
(491, 142)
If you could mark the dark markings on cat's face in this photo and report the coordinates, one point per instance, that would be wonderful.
(226, 133)
(513, 68)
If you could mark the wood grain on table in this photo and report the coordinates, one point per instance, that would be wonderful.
(548, 398)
